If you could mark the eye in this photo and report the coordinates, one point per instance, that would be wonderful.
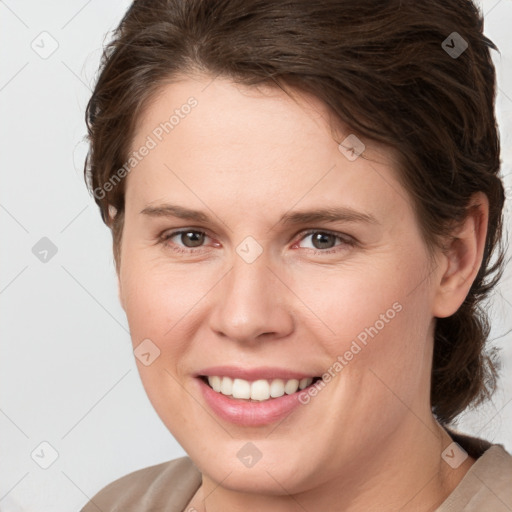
(191, 238)
(323, 241)
(194, 240)
(185, 240)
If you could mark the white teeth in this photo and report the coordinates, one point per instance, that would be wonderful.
(291, 386)
(259, 390)
(241, 389)
(226, 386)
(215, 383)
(305, 382)
(277, 388)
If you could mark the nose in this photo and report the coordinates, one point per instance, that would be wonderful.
(252, 304)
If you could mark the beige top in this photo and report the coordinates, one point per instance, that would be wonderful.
(169, 487)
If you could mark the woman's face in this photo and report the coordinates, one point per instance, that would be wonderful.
(254, 248)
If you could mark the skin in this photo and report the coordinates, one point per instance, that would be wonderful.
(245, 157)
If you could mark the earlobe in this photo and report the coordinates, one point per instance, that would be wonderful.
(462, 258)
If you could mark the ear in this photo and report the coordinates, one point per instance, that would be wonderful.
(460, 261)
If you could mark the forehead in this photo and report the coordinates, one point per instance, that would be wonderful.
(231, 114)
(212, 135)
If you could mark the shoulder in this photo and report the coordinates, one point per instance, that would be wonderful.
(486, 485)
(167, 486)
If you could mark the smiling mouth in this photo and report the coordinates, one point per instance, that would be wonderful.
(258, 390)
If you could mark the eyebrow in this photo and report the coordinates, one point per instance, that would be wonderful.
(333, 214)
(171, 210)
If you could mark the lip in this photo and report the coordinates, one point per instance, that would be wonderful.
(252, 374)
(248, 414)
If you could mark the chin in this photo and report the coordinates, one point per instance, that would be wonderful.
(269, 479)
(271, 474)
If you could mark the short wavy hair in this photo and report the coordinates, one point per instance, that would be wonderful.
(395, 71)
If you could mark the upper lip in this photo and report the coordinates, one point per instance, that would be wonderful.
(252, 374)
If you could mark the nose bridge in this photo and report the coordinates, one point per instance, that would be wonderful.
(252, 301)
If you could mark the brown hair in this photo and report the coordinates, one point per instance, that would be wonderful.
(383, 70)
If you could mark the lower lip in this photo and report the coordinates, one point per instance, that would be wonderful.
(249, 414)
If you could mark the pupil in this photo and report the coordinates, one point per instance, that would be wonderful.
(192, 238)
(323, 240)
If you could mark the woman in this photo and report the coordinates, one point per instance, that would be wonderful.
(304, 200)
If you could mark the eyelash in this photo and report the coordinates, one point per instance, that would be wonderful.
(345, 241)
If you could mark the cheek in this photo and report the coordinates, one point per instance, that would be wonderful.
(376, 325)
(160, 300)
(361, 299)
(159, 305)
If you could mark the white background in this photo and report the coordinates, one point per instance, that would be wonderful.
(67, 372)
